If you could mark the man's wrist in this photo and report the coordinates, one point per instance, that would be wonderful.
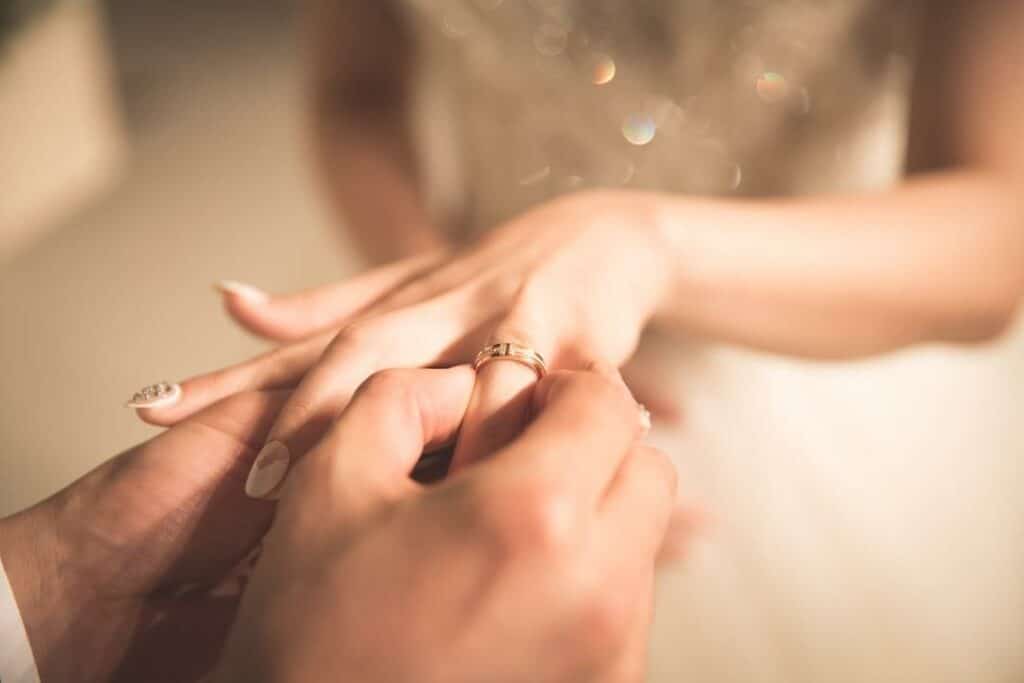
(17, 661)
(30, 549)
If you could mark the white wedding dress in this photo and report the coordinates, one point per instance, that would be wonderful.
(868, 523)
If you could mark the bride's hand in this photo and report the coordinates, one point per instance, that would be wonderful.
(576, 279)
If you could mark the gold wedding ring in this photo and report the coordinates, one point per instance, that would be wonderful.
(523, 355)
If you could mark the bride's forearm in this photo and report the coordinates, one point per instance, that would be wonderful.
(939, 259)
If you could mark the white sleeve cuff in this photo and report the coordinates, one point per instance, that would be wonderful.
(17, 664)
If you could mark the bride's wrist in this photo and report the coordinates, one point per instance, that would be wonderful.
(656, 261)
(689, 234)
(626, 227)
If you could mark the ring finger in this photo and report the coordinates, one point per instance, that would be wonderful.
(500, 405)
(430, 334)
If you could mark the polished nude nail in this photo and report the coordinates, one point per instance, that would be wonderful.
(645, 419)
(268, 472)
(156, 395)
(242, 290)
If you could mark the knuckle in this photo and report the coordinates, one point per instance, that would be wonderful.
(604, 623)
(496, 288)
(533, 300)
(304, 418)
(368, 334)
(393, 387)
(531, 518)
(385, 383)
(298, 409)
(354, 334)
(532, 291)
(370, 338)
(546, 523)
(412, 293)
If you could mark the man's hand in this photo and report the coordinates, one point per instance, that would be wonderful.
(130, 572)
(536, 564)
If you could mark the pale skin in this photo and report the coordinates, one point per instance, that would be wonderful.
(938, 258)
(130, 573)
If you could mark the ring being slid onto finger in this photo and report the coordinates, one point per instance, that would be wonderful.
(518, 353)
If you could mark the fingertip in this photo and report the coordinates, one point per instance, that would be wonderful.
(233, 289)
(153, 402)
(268, 472)
(263, 315)
(167, 414)
(155, 417)
(598, 384)
(645, 420)
(612, 374)
(249, 308)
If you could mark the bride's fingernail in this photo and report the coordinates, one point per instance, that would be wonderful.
(268, 472)
(242, 290)
(155, 396)
(645, 418)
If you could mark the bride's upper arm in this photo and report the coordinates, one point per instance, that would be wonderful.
(362, 52)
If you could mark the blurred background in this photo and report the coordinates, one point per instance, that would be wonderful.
(150, 149)
(147, 150)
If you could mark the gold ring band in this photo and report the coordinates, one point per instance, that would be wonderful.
(523, 355)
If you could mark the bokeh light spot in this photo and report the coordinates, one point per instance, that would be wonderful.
(639, 129)
(603, 71)
(772, 87)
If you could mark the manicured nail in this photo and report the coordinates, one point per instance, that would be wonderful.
(155, 396)
(645, 418)
(242, 290)
(268, 472)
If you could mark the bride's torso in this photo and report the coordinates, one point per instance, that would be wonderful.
(866, 516)
(522, 100)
